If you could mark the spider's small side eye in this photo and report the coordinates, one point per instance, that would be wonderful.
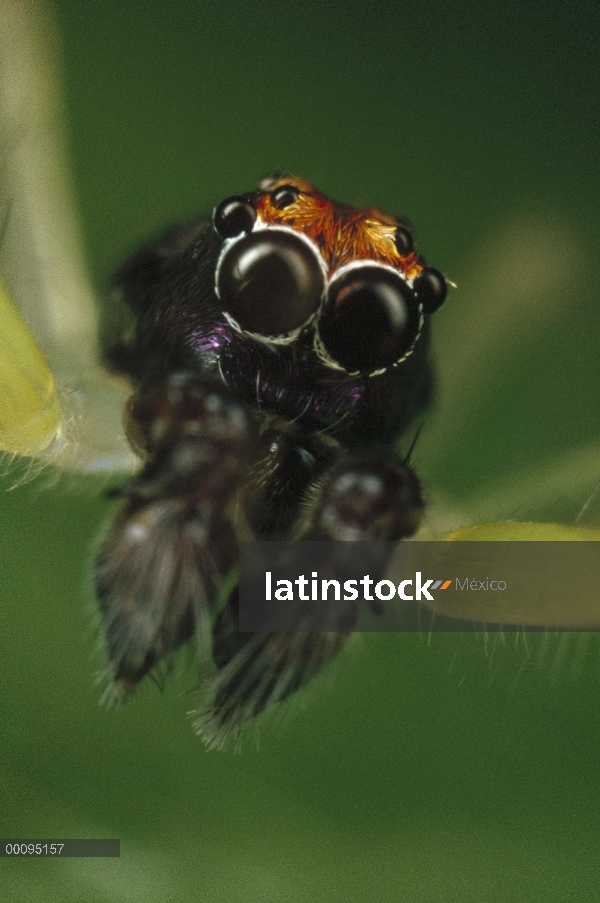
(270, 282)
(283, 196)
(233, 216)
(431, 289)
(404, 241)
(372, 319)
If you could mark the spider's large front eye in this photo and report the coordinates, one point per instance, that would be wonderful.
(371, 320)
(270, 282)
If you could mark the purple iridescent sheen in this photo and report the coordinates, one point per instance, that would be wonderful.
(210, 336)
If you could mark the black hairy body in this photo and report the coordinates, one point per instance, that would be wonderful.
(248, 434)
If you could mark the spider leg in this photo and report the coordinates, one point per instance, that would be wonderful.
(374, 496)
(167, 553)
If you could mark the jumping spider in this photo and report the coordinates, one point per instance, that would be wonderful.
(276, 355)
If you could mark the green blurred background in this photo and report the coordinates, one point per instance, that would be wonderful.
(424, 769)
